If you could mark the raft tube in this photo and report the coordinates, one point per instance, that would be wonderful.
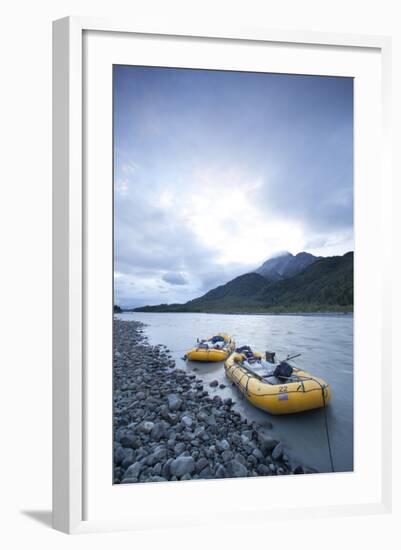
(212, 355)
(302, 392)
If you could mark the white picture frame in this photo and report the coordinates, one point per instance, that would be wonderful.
(70, 259)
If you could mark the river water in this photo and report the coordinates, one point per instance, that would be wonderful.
(326, 346)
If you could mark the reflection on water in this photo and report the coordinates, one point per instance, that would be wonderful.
(326, 346)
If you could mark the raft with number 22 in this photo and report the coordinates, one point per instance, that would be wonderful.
(300, 392)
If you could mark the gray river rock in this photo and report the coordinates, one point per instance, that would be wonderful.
(204, 438)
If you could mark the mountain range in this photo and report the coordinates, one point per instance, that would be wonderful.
(284, 283)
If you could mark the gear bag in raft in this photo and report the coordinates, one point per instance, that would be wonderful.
(283, 370)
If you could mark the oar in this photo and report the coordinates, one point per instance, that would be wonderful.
(289, 358)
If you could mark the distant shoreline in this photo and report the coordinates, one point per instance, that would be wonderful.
(268, 313)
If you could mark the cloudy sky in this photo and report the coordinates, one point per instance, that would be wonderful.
(215, 171)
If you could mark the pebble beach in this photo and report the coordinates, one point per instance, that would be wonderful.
(167, 426)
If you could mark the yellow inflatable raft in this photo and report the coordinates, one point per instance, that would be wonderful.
(206, 350)
(301, 392)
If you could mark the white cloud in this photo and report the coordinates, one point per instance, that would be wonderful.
(121, 187)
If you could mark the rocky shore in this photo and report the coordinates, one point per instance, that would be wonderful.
(167, 427)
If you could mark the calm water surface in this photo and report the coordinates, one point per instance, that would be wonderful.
(326, 345)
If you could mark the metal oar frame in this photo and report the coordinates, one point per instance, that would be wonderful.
(298, 378)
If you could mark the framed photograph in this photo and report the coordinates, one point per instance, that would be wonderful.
(221, 243)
